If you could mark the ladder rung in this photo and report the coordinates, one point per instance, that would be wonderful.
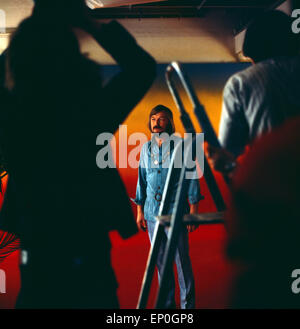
(199, 219)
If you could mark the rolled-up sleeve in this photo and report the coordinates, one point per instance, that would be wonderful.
(142, 180)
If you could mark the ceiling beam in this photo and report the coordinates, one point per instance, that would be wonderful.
(94, 4)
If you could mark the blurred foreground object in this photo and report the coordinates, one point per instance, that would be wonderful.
(264, 221)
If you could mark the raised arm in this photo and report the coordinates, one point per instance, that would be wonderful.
(138, 70)
(233, 130)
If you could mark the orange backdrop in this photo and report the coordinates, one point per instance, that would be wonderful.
(208, 81)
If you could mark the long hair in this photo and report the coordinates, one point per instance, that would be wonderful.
(161, 108)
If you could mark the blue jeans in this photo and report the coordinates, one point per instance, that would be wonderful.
(184, 269)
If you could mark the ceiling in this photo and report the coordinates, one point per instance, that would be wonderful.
(204, 29)
(226, 3)
(116, 3)
(237, 13)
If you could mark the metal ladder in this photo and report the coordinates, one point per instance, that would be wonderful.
(178, 217)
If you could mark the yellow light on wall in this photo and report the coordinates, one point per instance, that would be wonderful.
(4, 40)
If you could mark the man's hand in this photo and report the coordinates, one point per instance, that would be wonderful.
(68, 12)
(79, 15)
(220, 159)
(141, 222)
(193, 210)
(192, 228)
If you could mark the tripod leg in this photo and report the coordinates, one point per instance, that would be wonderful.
(152, 259)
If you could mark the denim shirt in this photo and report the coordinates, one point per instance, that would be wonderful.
(153, 170)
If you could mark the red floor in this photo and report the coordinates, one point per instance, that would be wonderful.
(212, 272)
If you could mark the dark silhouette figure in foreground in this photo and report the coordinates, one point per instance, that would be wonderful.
(263, 96)
(264, 221)
(58, 201)
(8, 241)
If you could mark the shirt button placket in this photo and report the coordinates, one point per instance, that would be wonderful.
(159, 171)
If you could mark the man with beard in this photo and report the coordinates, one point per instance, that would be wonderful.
(153, 170)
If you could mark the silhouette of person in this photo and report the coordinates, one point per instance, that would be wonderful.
(264, 95)
(262, 218)
(264, 222)
(54, 105)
